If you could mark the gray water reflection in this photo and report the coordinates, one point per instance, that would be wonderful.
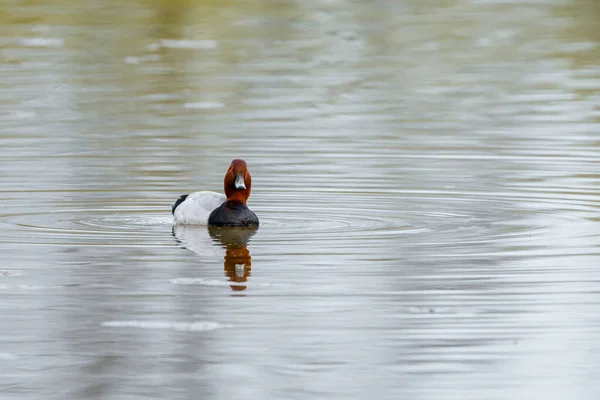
(425, 173)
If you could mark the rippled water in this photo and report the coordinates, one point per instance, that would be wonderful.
(426, 175)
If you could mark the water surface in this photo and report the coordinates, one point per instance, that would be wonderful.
(426, 175)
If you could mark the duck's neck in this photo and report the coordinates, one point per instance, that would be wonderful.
(237, 197)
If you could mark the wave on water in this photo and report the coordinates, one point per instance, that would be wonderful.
(199, 281)
(214, 282)
(198, 326)
(189, 44)
(41, 42)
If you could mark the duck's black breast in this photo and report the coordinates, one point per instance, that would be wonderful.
(232, 214)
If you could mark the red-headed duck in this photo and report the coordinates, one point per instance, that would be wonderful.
(215, 209)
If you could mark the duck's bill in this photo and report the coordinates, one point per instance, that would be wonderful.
(239, 181)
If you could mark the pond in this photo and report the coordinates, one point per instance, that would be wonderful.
(426, 174)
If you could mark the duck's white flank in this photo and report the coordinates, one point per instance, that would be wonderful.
(197, 207)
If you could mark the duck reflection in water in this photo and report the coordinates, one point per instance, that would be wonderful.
(237, 262)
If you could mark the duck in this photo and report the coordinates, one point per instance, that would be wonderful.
(217, 209)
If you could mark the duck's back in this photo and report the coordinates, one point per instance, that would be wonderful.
(195, 208)
(232, 213)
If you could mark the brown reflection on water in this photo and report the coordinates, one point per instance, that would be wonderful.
(237, 262)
